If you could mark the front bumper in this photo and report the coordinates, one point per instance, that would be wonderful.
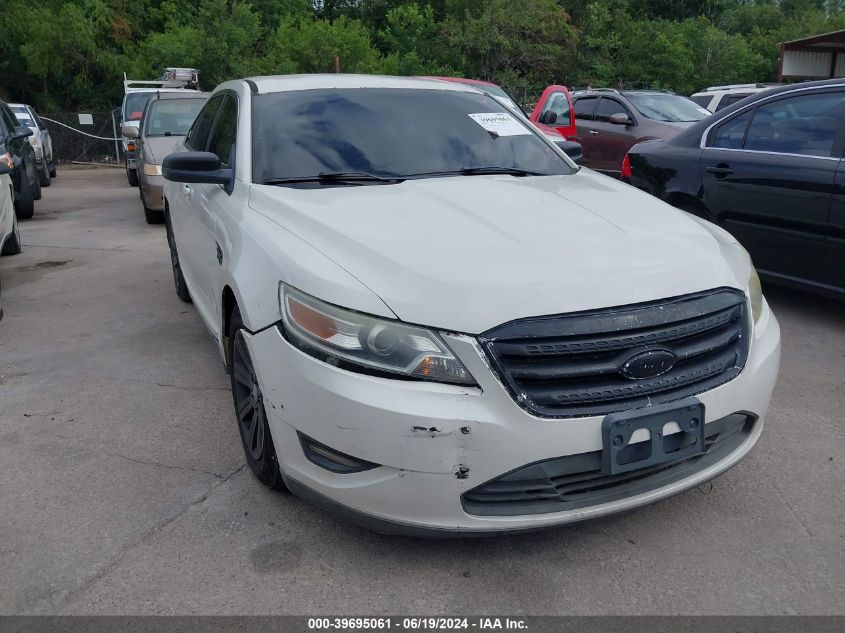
(436, 442)
(153, 190)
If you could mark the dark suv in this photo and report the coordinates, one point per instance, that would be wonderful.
(16, 150)
(609, 122)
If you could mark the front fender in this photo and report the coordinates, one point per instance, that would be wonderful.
(259, 253)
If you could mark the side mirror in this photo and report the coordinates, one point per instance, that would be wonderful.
(620, 118)
(131, 129)
(21, 131)
(549, 118)
(572, 149)
(197, 167)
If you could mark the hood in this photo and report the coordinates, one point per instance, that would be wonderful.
(157, 147)
(468, 253)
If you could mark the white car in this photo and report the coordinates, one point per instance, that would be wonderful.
(10, 235)
(40, 140)
(436, 323)
(717, 98)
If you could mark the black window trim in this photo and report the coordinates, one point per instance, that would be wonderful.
(227, 93)
(221, 94)
(709, 132)
(582, 98)
(631, 116)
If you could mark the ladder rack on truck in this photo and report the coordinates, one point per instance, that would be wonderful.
(185, 78)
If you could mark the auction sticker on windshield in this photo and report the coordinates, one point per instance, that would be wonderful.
(499, 123)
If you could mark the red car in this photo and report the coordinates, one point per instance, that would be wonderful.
(553, 115)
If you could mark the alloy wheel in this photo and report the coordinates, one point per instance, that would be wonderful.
(249, 405)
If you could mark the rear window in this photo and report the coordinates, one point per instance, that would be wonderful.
(171, 117)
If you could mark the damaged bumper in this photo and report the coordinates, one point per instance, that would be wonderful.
(430, 446)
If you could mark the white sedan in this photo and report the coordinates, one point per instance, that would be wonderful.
(436, 323)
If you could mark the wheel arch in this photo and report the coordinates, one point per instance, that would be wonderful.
(691, 203)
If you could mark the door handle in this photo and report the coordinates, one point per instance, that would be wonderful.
(594, 133)
(187, 191)
(719, 170)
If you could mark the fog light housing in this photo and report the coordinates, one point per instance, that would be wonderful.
(331, 459)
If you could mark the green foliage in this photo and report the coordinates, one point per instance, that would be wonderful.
(73, 53)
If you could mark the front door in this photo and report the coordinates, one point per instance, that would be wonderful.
(585, 108)
(554, 109)
(768, 176)
(212, 201)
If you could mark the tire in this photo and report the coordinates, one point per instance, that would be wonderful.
(179, 281)
(53, 169)
(152, 216)
(132, 177)
(25, 207)
(259, 450)
(12, 245)
(44, 174)
(36, 187)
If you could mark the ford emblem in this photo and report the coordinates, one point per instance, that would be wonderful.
(648, 364)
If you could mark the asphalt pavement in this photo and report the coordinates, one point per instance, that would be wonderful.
(123, 488)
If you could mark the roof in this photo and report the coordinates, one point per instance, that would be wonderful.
(834, 39)
(181, 94)
(462, 80)
(282, 83)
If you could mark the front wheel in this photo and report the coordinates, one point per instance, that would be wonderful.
(249, 409)
(12, 245)
(25, 206)
(44, 174)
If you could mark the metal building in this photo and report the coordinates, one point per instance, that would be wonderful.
(816, 57)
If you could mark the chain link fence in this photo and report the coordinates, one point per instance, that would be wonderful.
(78, 143)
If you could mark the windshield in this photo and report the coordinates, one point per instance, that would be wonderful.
(133, 105)
(171, 117)
(392, 132)
(666, 107)
(23, 116)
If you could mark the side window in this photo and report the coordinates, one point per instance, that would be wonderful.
(9, 119)
(730, 100)
(702, 100)
(225, 132)
(584, 108)
(197, 137)
(559, 105)
(806, 125)
(608, 107)
(731, 135)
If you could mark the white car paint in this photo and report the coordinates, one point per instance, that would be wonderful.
(8, 220)
(461, 255)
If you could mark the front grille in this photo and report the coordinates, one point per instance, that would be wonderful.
(572, 365)
(577, 481)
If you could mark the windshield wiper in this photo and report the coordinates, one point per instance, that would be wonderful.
(479, 171)
(492, 169)
(338, 177)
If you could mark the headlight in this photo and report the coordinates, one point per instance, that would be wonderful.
(363, 343)
(152, 170)
(33, 140)
(756, 294)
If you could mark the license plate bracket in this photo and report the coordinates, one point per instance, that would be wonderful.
(620, 455)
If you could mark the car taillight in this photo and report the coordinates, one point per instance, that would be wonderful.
(130, 147)
(626, 167)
